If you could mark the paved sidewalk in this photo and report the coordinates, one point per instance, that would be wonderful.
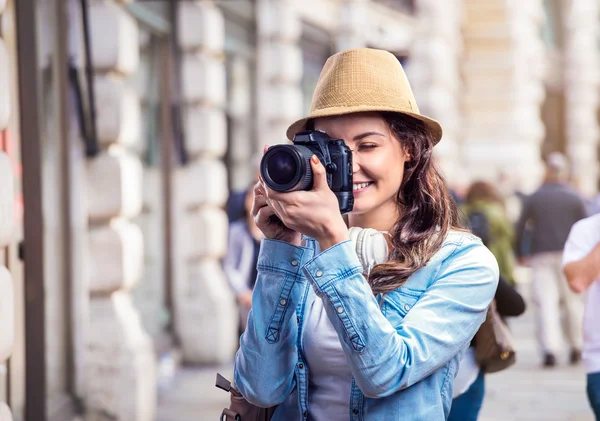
(526, 392)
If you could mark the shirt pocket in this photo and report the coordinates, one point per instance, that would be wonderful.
(398, 303)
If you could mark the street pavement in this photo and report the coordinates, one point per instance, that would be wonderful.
(525, 392)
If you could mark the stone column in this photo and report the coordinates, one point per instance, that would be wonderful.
(434, 73)
(205, 311)
(503, 71)
(120, 367)
(279, 69)
(352, 22)
(582, 74)
(7, 200)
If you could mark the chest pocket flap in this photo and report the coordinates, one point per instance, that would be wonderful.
(398, 303)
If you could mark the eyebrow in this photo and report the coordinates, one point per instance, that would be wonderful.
(367, 134)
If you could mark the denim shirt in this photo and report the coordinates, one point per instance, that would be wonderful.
(403, 348)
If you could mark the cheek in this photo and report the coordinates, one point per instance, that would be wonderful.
(387, 168)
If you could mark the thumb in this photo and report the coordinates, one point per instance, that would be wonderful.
(319, 174)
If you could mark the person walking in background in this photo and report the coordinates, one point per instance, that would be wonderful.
(242, 254)
(550, 213)
(581, 265)
(484, 209)
(485, 214)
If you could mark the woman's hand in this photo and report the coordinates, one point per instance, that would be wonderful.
(267, 221)
(314, 213)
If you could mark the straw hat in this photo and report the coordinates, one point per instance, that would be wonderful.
(363, 80)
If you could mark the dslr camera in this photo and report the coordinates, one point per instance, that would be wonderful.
(286, 168)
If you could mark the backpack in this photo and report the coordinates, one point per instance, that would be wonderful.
(480, 225)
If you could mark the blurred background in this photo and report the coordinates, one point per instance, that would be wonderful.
(129, 132)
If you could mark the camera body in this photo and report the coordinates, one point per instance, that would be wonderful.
(286, 168)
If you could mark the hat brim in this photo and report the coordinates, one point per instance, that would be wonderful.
(432, 125)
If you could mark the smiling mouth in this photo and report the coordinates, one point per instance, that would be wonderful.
(361, 186)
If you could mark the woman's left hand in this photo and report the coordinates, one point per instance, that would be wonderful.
(314, 213)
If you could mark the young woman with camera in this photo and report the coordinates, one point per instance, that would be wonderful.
(334, 332)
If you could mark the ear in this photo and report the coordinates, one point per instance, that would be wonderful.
(407, 157)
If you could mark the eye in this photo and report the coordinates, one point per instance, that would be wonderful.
(367, 146)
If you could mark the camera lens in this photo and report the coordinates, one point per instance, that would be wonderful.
(287, 168)
(282, 167)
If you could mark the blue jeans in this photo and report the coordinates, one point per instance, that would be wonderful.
(593, 392)
(466, 407)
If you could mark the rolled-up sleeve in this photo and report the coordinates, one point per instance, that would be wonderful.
(265, 362)
(385, 358)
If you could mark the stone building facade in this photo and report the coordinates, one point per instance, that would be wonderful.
(7, 229)
(141, 226)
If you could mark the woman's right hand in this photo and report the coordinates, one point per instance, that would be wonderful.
(266, 220)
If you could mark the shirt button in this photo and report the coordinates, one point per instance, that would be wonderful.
(300, 366)
(340, 309)
(297, 319)
(319, 273)
(283, 301)
(294, 263)
(406, 307)
(305, 415)
(355, 411)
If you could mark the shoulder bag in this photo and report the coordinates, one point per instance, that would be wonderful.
(239, 408)
(494, 344)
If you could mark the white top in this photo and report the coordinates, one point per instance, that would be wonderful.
(584, 236)
(467, 373)
(329, 376)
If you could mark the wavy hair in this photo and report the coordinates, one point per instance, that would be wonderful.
(427, 210)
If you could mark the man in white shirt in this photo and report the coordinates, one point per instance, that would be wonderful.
(581, 265)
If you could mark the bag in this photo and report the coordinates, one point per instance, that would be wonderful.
(494, 349)
(480, 226)
(240, 409)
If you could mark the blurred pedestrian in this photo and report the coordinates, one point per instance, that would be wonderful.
(242, 254)
(581, 263)
(486, 214)
(594, 202)
(550, 213)
(469, 385)
(323, 341)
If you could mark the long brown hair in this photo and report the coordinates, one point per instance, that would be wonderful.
(426, 208)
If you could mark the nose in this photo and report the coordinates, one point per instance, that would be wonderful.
(355, 163)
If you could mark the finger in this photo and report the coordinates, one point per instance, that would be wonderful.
(319, 174)
(259, 189)
(258, 202)
(263, 214)
(294, 198)
(265, 149)
(279, 210)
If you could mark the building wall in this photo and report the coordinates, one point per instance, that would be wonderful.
(7, 230)
(581, 58)
(205, 317)
(120, 366)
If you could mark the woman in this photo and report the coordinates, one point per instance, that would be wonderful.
(325, 343)
(239, 263)
(485, 206)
